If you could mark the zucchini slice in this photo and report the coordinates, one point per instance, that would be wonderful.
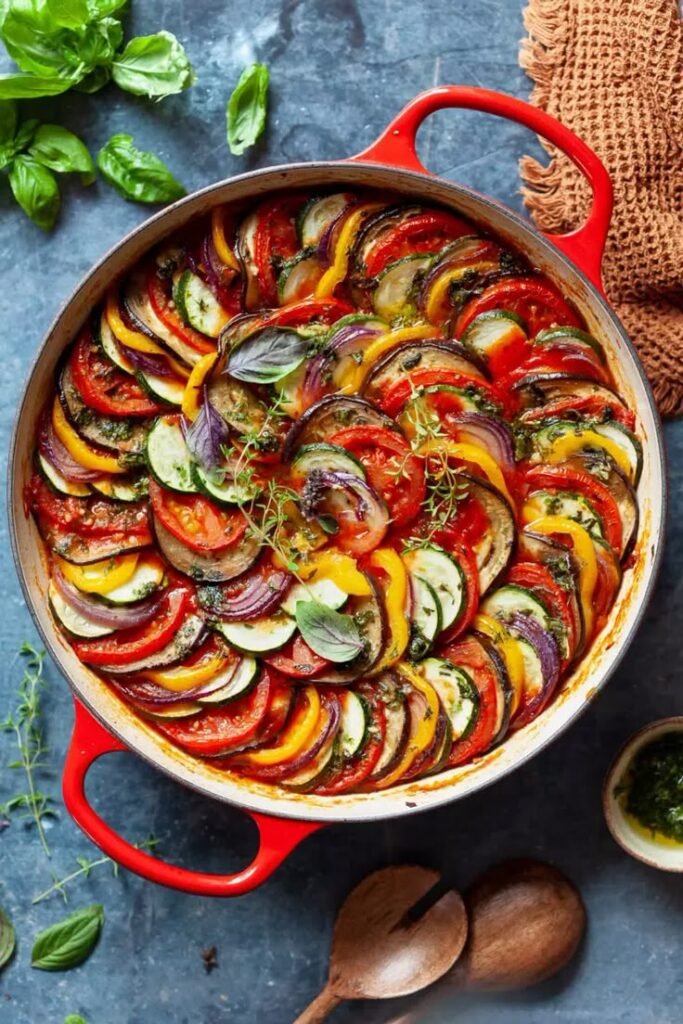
(211, 567)
(69, 487)
(121, 489)
(328, 457)
(395, 292)
(318, 214)
(325, 591)
(570, 504)
(493, 328)
(299, 276)
(136, 301)
(148, 576)
(166, 389)
(111, 348)
(397, 727)
(457, 693)
(354, 724)
(169, 457)
(441, 570)
(574, 335)
(72, 620)
(239, 681)
(543, 439)
(425, 617)
(227, 491)
(197, 305)
(260, 636)
(511, 599)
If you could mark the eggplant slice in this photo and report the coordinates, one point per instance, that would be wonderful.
(121, 435)
(212, 567)
(426, 355)
(564, 568)
(545, 389)
(84, 550)
(331, 414)
(494, 551)
(183, 643)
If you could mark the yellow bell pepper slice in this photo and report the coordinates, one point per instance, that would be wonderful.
(376, 349)
(295, 735)
(569, 444)
(195, 382)
(178, 680)
(339, 268)
(585, 554)
(136, 339)
(439, 291)
(340, 568)
(99, 577)
(469, 453)
(422, 731)
(77, 447)
(509, 650)
(220, 242)
(395, 600)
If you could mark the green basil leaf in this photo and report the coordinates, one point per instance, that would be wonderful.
(7, 939)
(8, 121)
(154, 66)
(31, 37)
(36, 190)
(75, 1018)
(61, 150)
(94, 46)
(102, 8)
(267, 355)
(135, 174)
(27, 87)
(69, 942)
(69, 13)
(247, 108)
(94, 81)
(24, 137)
(330, 634)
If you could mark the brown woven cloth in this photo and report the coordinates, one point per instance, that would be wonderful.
(612, 70)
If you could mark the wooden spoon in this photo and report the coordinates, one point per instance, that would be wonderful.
(526, 923)
(375, 955)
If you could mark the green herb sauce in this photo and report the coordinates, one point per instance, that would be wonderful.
(653, 786)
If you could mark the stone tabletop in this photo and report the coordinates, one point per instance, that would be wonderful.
(340, 70)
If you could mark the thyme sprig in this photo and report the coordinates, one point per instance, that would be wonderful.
(25, 723)
(85, 867)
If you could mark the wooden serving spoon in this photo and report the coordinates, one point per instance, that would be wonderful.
(375, 954)
(526, 923)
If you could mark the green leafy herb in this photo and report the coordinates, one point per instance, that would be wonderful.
(75, 1018)
(36, 190)
(59, 149)
(154, 66)
(7, 939)
(24, 722)
(136, 175)
(267, 355)
(28, 87)
(247, 108)
(69, 942)
(85, 867)
(329, 633)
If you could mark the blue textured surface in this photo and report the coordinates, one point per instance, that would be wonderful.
(340, 71)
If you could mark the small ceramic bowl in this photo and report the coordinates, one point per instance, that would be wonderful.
(636, 841)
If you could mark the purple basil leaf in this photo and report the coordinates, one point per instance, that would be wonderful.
(206, 435)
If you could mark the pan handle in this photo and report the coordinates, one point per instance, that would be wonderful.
(277, 836)
(396, 147)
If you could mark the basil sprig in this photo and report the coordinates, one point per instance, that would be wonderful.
(247, 108)
(7, 939)
(75, 1018)
(65, 44)
(329, 633)
(136, 174)
(69, 942)
(267, 355)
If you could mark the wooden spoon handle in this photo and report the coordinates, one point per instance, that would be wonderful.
(320, 1008)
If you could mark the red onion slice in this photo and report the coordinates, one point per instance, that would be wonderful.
(52, 449)
(147, 362)
(342, 343)
(120, 617)
(489, 433)
(545, 645)
(318, 496)
(259, 596)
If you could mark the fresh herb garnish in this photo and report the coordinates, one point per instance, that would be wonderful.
(135, 174)
(85, 867)
(7, 939)
(247, 108)
(24, 722)
(75, 1018)
(69, 942)
(154, 66)
(267, 355)
(653, 786)
(329, 633)
(207, 435)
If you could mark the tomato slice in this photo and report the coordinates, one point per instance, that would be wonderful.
(424, 232)
(587, 405)
(195, 521)
(223, 728)
(130, 645)
(564, 477)
(275, 237)
(539, 303)
(469, 654)
(88, 517)
(297, 659)
(395, 394)
(392, 470)
(538, 579)
(103, 386)
(323, 311)
(159, 292)
(353, 773)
